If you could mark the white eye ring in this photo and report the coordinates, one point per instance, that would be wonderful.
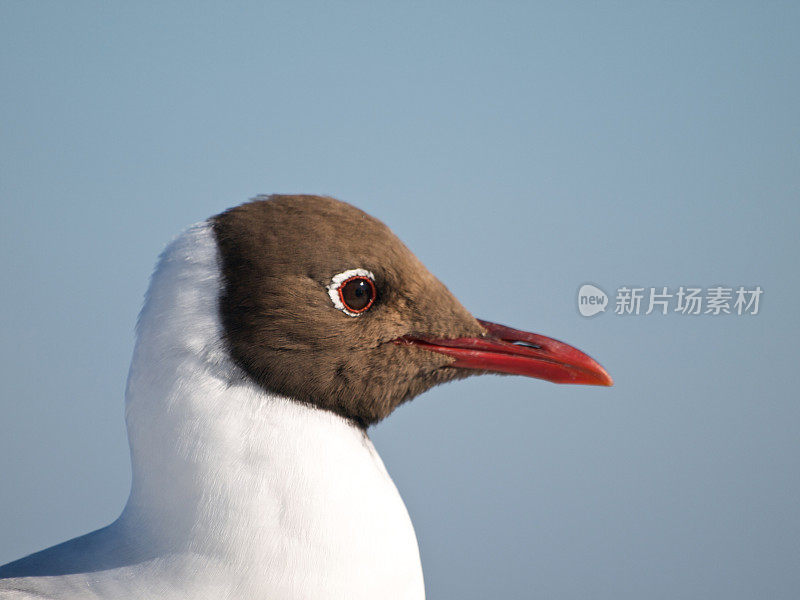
(339, 279)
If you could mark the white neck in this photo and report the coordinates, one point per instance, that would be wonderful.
(226, 470)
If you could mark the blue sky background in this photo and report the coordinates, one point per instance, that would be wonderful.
(521, 150)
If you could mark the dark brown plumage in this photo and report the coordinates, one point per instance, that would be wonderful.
(278, 255)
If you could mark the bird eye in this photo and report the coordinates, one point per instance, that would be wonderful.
(353, 291)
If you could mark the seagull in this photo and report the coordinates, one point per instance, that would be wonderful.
(272, 336)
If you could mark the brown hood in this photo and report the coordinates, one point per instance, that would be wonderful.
(278, 256)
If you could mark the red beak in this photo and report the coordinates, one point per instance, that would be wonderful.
(506, 350)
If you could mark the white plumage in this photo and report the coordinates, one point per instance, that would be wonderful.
(236, 493)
